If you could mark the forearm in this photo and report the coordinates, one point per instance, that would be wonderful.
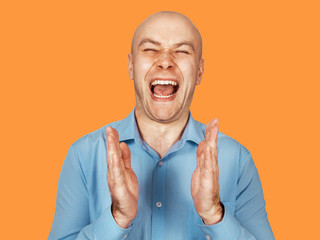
(72, 220)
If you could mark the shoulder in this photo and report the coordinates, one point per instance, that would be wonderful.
(227, 142)
(87, 142)
(92, 144)
(234, 154)
(230, 150)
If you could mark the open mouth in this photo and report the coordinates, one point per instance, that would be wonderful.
(163, 88)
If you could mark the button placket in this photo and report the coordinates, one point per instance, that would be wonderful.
(158, 209)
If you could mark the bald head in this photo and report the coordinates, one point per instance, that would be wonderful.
(168, 23)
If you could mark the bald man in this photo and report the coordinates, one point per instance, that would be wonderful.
(159, 174)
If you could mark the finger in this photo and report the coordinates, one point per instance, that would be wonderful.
(114, 133)
(195, 181)
(200, 150)
(114, 146)
(208, 160)
(125, 154)
(202, 161)
(212, 133)
(214, 154)
(110, 176)
(115, 154)
(112, 154)
(211, 125)
(117, 170)
(110, 139)
(109, 147)
(116, 165)
(115, 176)
(110, 161)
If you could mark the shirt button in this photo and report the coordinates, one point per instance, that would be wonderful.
(208, 237)
(160, 163)
(125, 236)
(159, 204)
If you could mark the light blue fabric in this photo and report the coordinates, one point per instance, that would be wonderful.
(83, 198)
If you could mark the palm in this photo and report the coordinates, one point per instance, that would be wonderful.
(122, 181)
(205, 179)
(131, 186)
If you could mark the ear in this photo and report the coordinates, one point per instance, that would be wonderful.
(200, 72)
(130, 66)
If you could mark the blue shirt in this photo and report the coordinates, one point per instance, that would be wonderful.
(165, 206)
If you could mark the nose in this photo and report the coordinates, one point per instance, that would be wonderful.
(165, 61)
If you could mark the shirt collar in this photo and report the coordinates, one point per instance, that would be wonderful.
(128, 130)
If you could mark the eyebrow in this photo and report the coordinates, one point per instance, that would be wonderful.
(149, 40)
(184, 43)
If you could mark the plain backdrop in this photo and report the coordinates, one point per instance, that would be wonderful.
(63, 72)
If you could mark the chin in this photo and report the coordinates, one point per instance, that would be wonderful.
(164, 114)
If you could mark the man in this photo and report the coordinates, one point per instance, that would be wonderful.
(159, 174)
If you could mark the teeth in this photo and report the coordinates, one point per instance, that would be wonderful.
(161, 82)
(160, 96)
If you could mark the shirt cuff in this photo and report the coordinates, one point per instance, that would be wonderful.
(227, 229)
(105, 227)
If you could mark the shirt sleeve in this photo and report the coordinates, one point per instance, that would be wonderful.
(71, 220)
(250, 219)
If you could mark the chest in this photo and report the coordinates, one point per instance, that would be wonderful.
(165, 206)
(159, 145)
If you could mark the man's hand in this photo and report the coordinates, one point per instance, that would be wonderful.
(122, 181)
(205, 179)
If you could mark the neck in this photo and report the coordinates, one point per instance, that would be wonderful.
(160, 136)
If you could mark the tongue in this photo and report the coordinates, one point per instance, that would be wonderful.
(163, 90)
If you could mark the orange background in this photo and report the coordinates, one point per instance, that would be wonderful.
(64, 73)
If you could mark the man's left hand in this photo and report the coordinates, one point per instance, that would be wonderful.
(205, 179)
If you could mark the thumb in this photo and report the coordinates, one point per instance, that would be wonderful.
(125, 154)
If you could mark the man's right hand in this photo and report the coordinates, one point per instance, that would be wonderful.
(122, 181)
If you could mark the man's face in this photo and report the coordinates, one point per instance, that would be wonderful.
(165, 65)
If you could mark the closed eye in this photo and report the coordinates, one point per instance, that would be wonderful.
(181, 51)
(150, 50)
